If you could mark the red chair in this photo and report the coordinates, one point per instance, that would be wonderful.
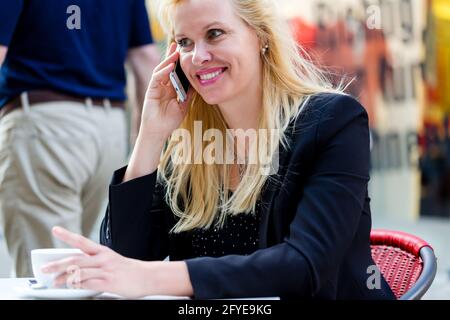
(407, 262)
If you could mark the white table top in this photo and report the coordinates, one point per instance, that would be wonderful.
(7, 291)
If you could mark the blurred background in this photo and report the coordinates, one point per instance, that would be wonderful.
(397, 52)
(395, 56)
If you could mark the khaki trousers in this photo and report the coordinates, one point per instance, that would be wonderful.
(56, 160)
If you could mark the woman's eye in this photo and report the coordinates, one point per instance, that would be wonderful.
(184, 42)
(214, 33)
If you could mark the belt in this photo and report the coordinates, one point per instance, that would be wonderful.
(43, 96)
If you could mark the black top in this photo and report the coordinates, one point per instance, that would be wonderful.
(315, 220)
(239, 235)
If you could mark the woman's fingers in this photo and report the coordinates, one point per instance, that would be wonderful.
(161, 77)
(172, 57)
(77, 241)
(74, 278)
(171, 49)
(73, 262)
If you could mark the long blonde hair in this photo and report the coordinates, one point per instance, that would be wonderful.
(196, 193)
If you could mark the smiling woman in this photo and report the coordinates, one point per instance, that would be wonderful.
(235, 53)
(231, 230)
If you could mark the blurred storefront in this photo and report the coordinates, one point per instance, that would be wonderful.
(380, 45)
(435, 136)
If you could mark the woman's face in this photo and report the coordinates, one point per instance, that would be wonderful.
(219, 52)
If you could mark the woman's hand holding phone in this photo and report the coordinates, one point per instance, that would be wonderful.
(161, 115)
(162, 112)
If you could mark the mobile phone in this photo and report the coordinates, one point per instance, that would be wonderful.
(180, 82)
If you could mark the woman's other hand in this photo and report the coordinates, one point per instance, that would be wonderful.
(100, 269)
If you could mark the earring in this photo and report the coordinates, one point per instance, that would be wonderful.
(264, 49)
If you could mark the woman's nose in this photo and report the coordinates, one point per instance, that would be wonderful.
(201, 55)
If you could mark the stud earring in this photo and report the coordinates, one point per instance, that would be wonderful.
(264, 49)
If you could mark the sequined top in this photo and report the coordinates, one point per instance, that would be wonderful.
(239, 235)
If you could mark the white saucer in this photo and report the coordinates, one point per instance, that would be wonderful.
(55, 293)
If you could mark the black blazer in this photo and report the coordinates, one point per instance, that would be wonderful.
(315, 217)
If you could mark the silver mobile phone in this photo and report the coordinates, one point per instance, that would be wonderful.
(180, 82)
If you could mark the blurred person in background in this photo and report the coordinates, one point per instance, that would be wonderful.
(62, 112)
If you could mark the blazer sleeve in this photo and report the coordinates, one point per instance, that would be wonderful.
(135, 223)
(326, 219)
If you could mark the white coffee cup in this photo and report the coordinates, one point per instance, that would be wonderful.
(40, 257)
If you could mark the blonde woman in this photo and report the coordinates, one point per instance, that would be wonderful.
(300, 229)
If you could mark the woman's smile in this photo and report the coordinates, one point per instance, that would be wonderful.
(210, 76)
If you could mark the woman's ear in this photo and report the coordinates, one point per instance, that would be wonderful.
(263, 44)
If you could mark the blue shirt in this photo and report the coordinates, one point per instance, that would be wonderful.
(47, 50)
